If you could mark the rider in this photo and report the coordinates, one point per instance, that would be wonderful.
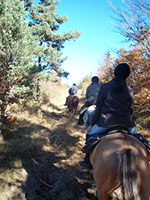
(91, 96)
(114, 106)
(92, 91)
(72, 91)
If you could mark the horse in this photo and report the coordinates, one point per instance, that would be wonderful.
(121, 160)
(72, 103)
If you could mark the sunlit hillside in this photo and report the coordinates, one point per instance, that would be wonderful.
(45, 147)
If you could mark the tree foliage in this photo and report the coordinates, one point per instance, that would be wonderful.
(26, 49)
(132, 18)
(45, 23)
(16, 45)
(139, 78)
(16, 53)
(133, 22)
(84, 83)
(105, 71)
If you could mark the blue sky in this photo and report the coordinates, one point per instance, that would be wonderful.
(93, 19)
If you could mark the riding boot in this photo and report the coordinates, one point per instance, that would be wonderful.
(66, 101)
(143, 140)
(85, 162)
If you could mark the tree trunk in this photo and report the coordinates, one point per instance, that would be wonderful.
(3, 109)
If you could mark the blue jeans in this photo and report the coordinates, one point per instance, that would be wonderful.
(133, 131)
(98, 129)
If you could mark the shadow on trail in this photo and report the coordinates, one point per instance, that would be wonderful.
(32, 141)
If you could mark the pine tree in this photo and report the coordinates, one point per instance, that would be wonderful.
(45, 22)
(16, 54)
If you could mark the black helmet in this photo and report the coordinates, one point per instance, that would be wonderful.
(95, 79)
(122, 71)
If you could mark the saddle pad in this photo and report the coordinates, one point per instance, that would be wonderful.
(93, 140)
(83, 110)
(90, 146)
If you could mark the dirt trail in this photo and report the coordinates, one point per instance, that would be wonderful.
(45, 145)
(48, 139)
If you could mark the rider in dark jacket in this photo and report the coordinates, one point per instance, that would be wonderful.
(114, 105)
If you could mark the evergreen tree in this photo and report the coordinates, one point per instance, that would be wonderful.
(45, 22)
(16, 54)
(27, 4)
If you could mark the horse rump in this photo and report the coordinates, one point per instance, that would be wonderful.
(72, 103)
(121, 166)
(75, 102)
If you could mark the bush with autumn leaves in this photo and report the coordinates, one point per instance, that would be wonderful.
(139, 79)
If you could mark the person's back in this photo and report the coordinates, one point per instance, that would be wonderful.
(73, 90)
(115, 101)
(93, 89)
(114, 104)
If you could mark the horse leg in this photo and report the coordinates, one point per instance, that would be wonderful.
(75, 110)
(144, 187)
(105, 185)
(102, 196)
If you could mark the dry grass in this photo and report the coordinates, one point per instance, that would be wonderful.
(46, 133)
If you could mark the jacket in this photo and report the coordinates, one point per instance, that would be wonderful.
(92, 91)
(73, 90)
(114, 105)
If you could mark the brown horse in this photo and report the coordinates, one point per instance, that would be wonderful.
(121, 160)
(72, 103)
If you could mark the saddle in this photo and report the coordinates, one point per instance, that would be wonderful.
(94, 139)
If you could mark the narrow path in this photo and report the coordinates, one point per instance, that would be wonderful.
(48, 135)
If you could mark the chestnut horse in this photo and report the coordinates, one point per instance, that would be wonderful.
(72, 103)
(121, 160)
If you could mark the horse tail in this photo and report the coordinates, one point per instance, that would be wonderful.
(128, 175)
